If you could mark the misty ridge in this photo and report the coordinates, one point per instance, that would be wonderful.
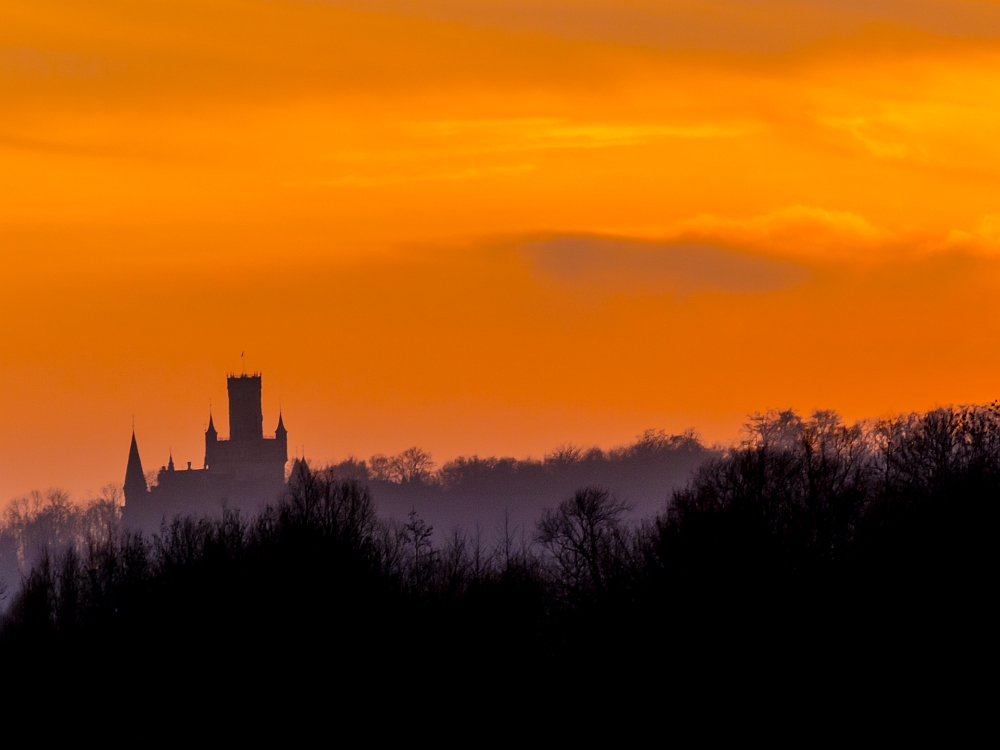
(810, 556)
(496, 492)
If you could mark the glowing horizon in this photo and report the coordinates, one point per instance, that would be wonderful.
(489, 226)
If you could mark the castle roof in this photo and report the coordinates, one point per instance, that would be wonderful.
(135, 479)
(300, 474)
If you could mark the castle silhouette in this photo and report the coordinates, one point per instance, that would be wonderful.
(243, 472)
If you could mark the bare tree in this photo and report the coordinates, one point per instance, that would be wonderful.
(505, 541)
(585, 537)
(564, 455)
(381, 468)
(413, 465)
(419, 534)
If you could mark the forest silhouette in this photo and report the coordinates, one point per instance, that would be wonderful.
(811, 559)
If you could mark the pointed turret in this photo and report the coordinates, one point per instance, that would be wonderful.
(211, 440)
(170, 463)
(281, 438)
(135, 479)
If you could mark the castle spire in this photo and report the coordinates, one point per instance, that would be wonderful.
(211, 440)
(281, 440)
(170, 463)
(135, 479)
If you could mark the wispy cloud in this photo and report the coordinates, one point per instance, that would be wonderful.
(807, 233)
(471, 173)
(528, 134)
(818, 236)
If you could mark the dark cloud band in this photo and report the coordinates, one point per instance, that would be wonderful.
(659, 267)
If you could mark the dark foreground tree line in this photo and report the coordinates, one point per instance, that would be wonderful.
(815, 563)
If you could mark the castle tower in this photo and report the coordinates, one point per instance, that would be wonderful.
(135, 479)
(246, 420)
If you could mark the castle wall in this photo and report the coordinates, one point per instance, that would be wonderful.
(264, 458)
(199, 493)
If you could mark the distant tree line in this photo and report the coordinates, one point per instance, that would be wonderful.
(811, 559)
(50, 522)
(494, 491)
(415, 465)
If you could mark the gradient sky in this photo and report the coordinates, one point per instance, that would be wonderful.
(487, 226)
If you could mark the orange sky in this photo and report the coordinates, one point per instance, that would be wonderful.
(487, 226)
